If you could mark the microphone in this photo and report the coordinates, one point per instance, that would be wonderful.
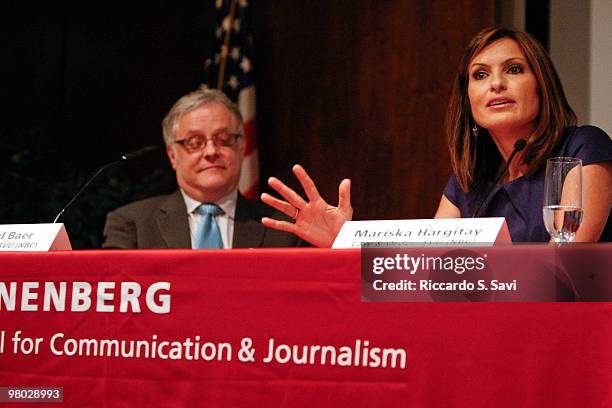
(139, 152)
(128, 156)
(518, 146)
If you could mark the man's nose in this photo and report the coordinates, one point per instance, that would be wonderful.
(209, 148)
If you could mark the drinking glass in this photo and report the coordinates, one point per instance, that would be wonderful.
(562, 207)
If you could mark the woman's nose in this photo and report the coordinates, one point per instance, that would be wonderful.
(498, 82)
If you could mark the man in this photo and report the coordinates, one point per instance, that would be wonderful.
(203, 137)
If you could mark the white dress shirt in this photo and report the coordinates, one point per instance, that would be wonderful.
(225, 219)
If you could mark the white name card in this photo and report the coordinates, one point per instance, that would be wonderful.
(33, 237)
(447, 231)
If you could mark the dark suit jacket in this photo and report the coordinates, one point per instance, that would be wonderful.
(162, 222)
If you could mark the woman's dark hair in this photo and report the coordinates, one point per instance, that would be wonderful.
(475, 159)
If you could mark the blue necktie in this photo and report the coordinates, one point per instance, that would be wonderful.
(208, 235)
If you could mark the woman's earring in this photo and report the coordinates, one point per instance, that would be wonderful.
(475, 132)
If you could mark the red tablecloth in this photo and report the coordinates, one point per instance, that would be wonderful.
(237, 302)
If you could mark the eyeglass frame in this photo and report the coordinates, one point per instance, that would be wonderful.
(214, 138)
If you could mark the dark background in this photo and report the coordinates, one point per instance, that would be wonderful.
(348, 88)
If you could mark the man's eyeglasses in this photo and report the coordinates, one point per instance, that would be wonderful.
(198, 142)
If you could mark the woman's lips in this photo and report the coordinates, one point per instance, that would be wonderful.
(498, 103)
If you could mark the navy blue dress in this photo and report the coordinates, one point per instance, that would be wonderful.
(520, 201)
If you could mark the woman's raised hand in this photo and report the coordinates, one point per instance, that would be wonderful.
(315, 220)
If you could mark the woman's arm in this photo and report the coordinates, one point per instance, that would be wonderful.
(315, 220)
(446, 209)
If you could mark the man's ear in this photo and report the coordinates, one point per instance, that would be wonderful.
(171, 155)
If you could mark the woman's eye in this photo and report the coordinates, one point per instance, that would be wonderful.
(515, 69)
(479, 75)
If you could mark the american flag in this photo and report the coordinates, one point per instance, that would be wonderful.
(230, 69)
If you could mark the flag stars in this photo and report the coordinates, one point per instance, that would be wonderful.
(226, 24)
(224, 51)
(243, 3)
(235, 53)
(233, 82)
(245, 65)
(218, 32)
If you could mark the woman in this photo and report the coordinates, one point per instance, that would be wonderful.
(506, 90)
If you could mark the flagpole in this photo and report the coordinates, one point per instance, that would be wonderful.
(225, 48)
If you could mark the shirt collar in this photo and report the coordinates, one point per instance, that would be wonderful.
(227, 203)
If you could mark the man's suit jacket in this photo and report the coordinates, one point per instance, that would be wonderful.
(162, 222)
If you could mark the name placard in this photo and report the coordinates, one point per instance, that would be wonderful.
(33, 237)
(425, 232)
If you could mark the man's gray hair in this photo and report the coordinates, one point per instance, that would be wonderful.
(192, 101)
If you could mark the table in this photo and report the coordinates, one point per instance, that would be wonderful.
(204, 322)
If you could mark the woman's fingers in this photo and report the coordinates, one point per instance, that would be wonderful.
(288, 194)
(307, 184)
(279, 205)
(279, 225)
(344, 198)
